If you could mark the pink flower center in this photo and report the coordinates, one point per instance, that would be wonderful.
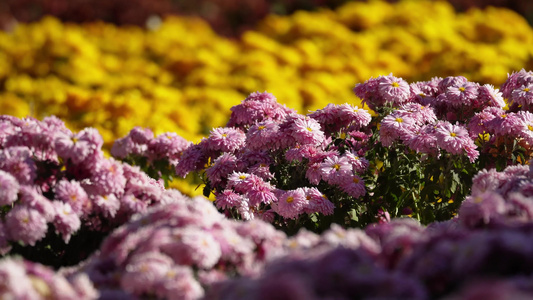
(290, 199)
(399, 120)
(452, 134)
(395, 84)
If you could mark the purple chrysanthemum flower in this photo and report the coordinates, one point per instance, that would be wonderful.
(73, 193)
(66, 221)
(257, 107)
(291, 203)
(334, 169)
(221, 167)
(352, 116)
(225, 139)
(9, 188)
(450, 81)
(419, 113)
(423, 92)
(25, 225)
(394, 90)
(179, 283)
(353, 186)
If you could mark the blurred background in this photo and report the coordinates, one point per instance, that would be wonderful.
(180, 66)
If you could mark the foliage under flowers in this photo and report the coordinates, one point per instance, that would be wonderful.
(59, 194)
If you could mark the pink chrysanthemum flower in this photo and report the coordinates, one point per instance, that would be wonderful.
(262, 135)
(144, 271)
(108, 178)
(73, 193)
(307, 131)
(66, 221)
(108, 205)
(359, 164)
(227, 199)
(453, 138)
(192, 159)
(179, 283)
(523, 95)
(19, 163)
(482, 122)
(514, 81)
(419, 113)
(193, 246)
(221, 167)
(9, 188)
(261, 193)
(32, 198)
(314, 173)
(291, 203)
(394, 90)
(486, 180)
(423, 140)
(317, 202)
(335, 168)
(450, 81)
(490, 96)
(395, 125)
(135, 143)
(132, 204)
(526, 128)
(481, 209)
(507, 124)
(246, 210)
(257, 107)
(423, 92)
(262, 170)
(353, 186)
(237, 179)
(462, 94)
(168, 145)
(369, 93)
(80, 146)
(25, 225)
(355, 117)
(225, 139)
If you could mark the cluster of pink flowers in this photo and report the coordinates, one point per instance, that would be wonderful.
(175, 251)
(50, 176)
(141, 142)
(247, 162)
(23, 279)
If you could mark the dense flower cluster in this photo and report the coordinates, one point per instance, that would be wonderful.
(270, 161)
(27, 280)
(53, 180)
(163, 78)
